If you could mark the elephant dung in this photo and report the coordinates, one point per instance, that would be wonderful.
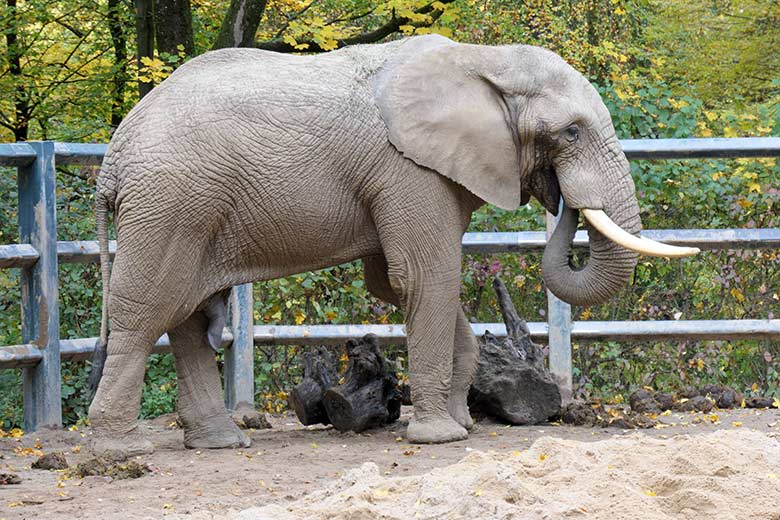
(758, 402)
(647, 401)
(593, 414)
(512, 382)
(7, 479)
(54, 460)
(107, 466)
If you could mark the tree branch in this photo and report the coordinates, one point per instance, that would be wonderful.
(77, 32)
(292, 18)
(391, 26)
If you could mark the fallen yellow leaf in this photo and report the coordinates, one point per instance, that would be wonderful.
(650, 493)
(542, 456)
(736, 424)
(27, 452)
(478, 493)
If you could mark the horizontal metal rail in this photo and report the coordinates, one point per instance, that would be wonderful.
(701, 148)
(79, 153)
(20, 154)
(583, 331)
(20, 356)
(87, 251)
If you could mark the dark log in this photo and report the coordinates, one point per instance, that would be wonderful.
(369, 396)
(512, 383)
(319, 374)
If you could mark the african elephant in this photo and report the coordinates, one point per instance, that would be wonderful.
(248, 165)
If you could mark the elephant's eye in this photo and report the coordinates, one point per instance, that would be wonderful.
(571, 133)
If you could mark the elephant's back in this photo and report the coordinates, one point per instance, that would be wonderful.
(246, 96)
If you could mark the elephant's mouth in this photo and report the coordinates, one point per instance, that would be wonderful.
(550, 196)
(545, 187)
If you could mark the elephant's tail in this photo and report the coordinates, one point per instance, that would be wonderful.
(102, 205)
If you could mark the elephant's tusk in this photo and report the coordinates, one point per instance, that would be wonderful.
(644, 246)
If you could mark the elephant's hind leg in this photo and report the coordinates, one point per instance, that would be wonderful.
(114, 410)
(202, 411)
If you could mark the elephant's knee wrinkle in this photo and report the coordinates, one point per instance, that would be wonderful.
(398, 283)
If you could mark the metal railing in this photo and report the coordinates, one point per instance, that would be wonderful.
(39, 254)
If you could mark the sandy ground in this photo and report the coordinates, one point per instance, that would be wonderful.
(724, 464)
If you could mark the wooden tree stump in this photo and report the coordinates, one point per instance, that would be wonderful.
(512, 382)
(369, 395)
(319, 374)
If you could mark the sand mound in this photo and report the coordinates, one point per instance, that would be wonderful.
(721, 475)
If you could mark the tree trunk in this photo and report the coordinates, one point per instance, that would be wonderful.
(319, 374)
(144, 25)
(240, 24)
(173, 27)
(21, 124)
(512, 383)
(369, 395)
(119, 41)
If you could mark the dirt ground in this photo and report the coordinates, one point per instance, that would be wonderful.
(291, 462)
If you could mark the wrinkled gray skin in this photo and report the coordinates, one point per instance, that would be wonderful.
(248, 165)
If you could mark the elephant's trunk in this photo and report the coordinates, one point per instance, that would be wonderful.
(608, 270)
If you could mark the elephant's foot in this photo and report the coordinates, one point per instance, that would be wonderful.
(120, 446)
(435, 430)
(459, 411)
(215, 432)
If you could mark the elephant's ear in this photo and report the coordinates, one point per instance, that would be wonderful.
(443, 113)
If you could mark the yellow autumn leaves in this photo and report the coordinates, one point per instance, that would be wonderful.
(326, 33)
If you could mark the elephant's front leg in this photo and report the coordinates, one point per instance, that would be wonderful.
(428, 285)
(465, 354)
(465, 360)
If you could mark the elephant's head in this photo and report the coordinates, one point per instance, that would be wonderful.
(513, 121)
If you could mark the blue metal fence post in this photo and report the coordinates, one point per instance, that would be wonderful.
(40, 295)
(239, 357)
(559, 326)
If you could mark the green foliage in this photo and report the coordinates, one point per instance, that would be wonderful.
(597, 37)
(724, 50)
(160, 389)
